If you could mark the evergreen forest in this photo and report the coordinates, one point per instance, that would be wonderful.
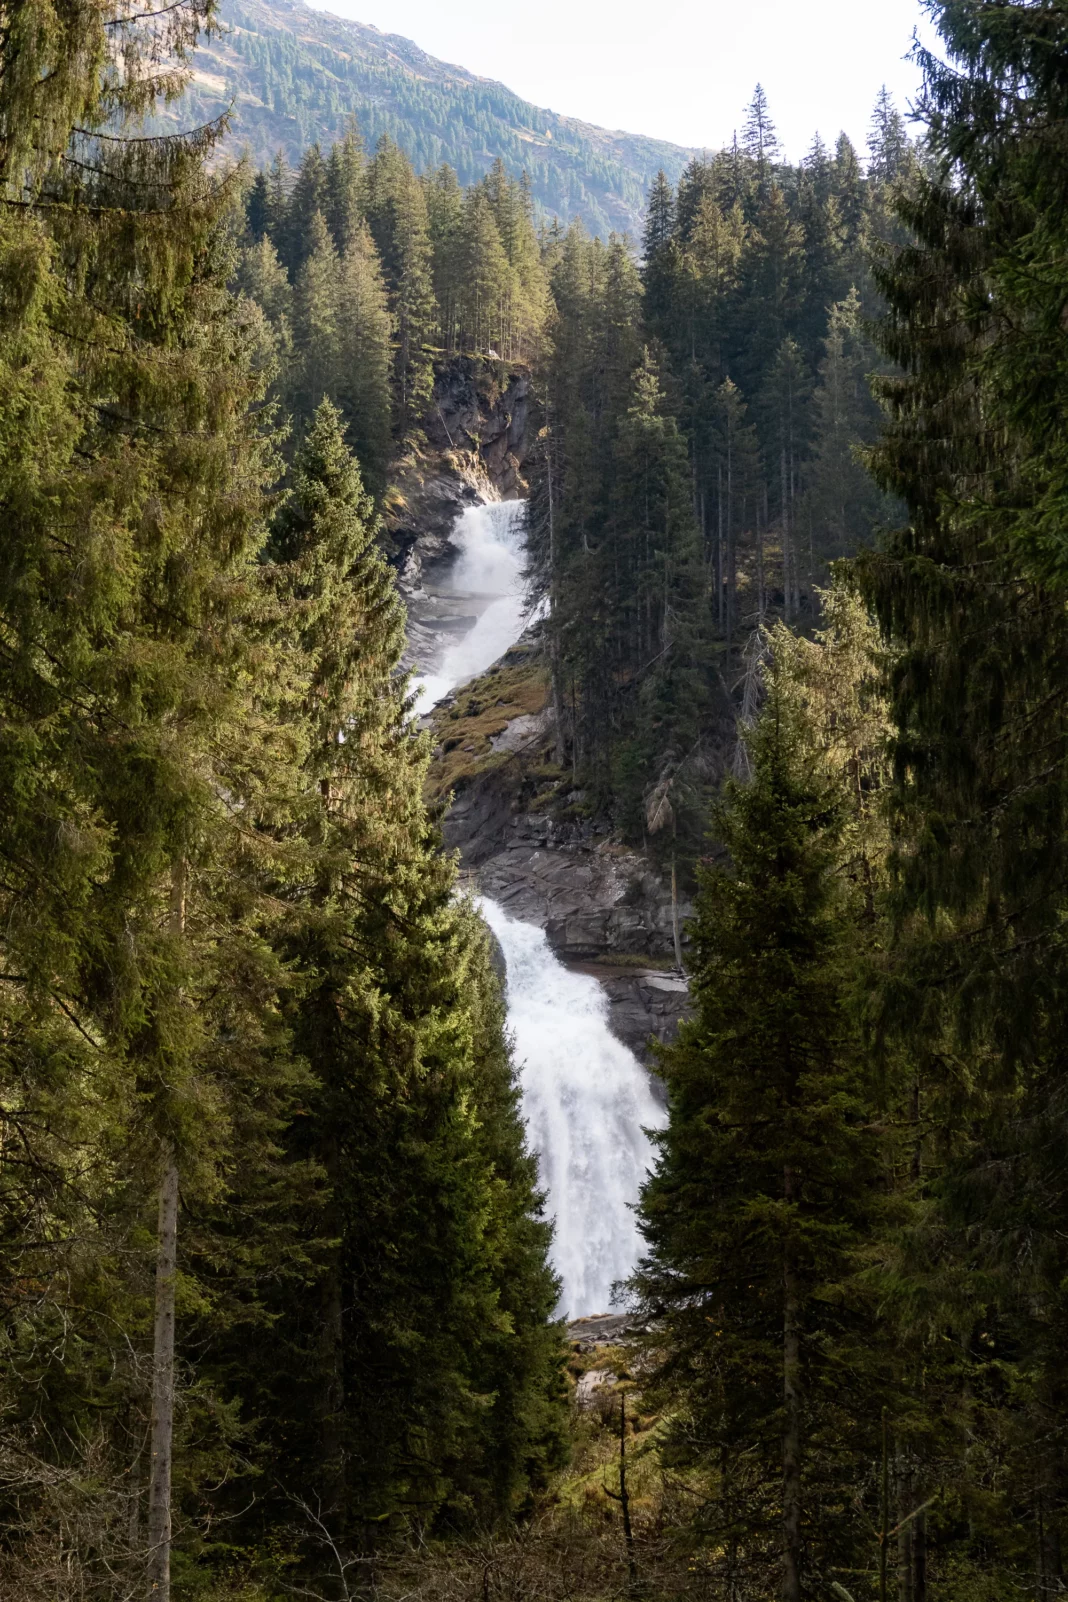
(278, 1311)
(298, 75)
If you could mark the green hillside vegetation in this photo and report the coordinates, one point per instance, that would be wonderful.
(297, 76)
(697, 469)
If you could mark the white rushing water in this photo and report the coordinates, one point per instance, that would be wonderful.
(586, 1098)
(588, 1102)
(489, 573)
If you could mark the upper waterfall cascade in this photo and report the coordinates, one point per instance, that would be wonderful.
(586, 1098)
(488, 573)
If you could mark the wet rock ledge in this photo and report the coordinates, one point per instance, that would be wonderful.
(525, 841)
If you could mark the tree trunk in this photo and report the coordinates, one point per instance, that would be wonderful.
(787, 555)
(159, 1484)
(919, 1558)
(675, 914)
(624, 1497)
(904, 1479)
(791, 1439)
(331, 1353)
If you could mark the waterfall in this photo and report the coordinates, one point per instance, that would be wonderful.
(488, 572)
(586, 1099)
(587, 1102)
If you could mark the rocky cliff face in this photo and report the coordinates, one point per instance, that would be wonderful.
(480, 411)
(603, 907)
(474, 450)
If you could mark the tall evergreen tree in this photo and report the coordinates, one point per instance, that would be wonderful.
(759, 138)
(397, 216)
(430, 1371)
(767, 1184)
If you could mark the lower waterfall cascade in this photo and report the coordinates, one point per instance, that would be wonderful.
(588, 1102)
(586, 1098)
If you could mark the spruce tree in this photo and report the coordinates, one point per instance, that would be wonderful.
(344, 189)
(363, 334)
(316, 311)
(659, 254)
(843, 507)
(767, 1185)
(397, 216)
(430, 1340)
(759, 138)
(486, 276)
(970, 590)
(444, 200)
(138, 742)
(309, 198)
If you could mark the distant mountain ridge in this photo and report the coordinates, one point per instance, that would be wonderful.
(295, 75)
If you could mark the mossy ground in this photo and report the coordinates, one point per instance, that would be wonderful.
(463, 731)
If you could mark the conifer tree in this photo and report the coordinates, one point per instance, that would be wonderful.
(308, 199)
(888, 141)
(145, 939)
(344, 189)
(842, 504)
(485, 276)
(787, 423)
(767, 1182)
(397, 216)
(444, 199)
(772, 270)
(659, 254)
(735, 464)
(412, 1382)
(972, 596)
(759, 138)
(364, 352)
(316, 312)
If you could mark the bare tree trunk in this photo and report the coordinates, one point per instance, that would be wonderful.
(919, 1558)
(623, 1496)
(331, 1352)
(161, 1437)
(159, 1484)
(791, 1440)
(675, 914)
(719, 547)
(906, 1527)
(884, 1526)
(787, 564)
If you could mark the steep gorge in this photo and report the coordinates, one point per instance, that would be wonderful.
(582, 922)
(523, 833)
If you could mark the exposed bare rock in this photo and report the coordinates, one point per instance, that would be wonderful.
(601, 1329)
(644, 1004)
(474, 413)
(593, 1381)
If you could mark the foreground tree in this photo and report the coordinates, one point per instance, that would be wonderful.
(767, 1185)
(972, 589)
(428, 1368)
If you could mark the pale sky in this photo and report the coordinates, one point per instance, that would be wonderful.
(682, 70)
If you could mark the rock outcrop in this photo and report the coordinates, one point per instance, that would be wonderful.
(474, 448)
(474, 413)
(604, 910)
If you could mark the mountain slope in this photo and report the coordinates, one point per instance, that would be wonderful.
(296, 75)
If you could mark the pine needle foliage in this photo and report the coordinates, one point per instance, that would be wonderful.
(770, 1182)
